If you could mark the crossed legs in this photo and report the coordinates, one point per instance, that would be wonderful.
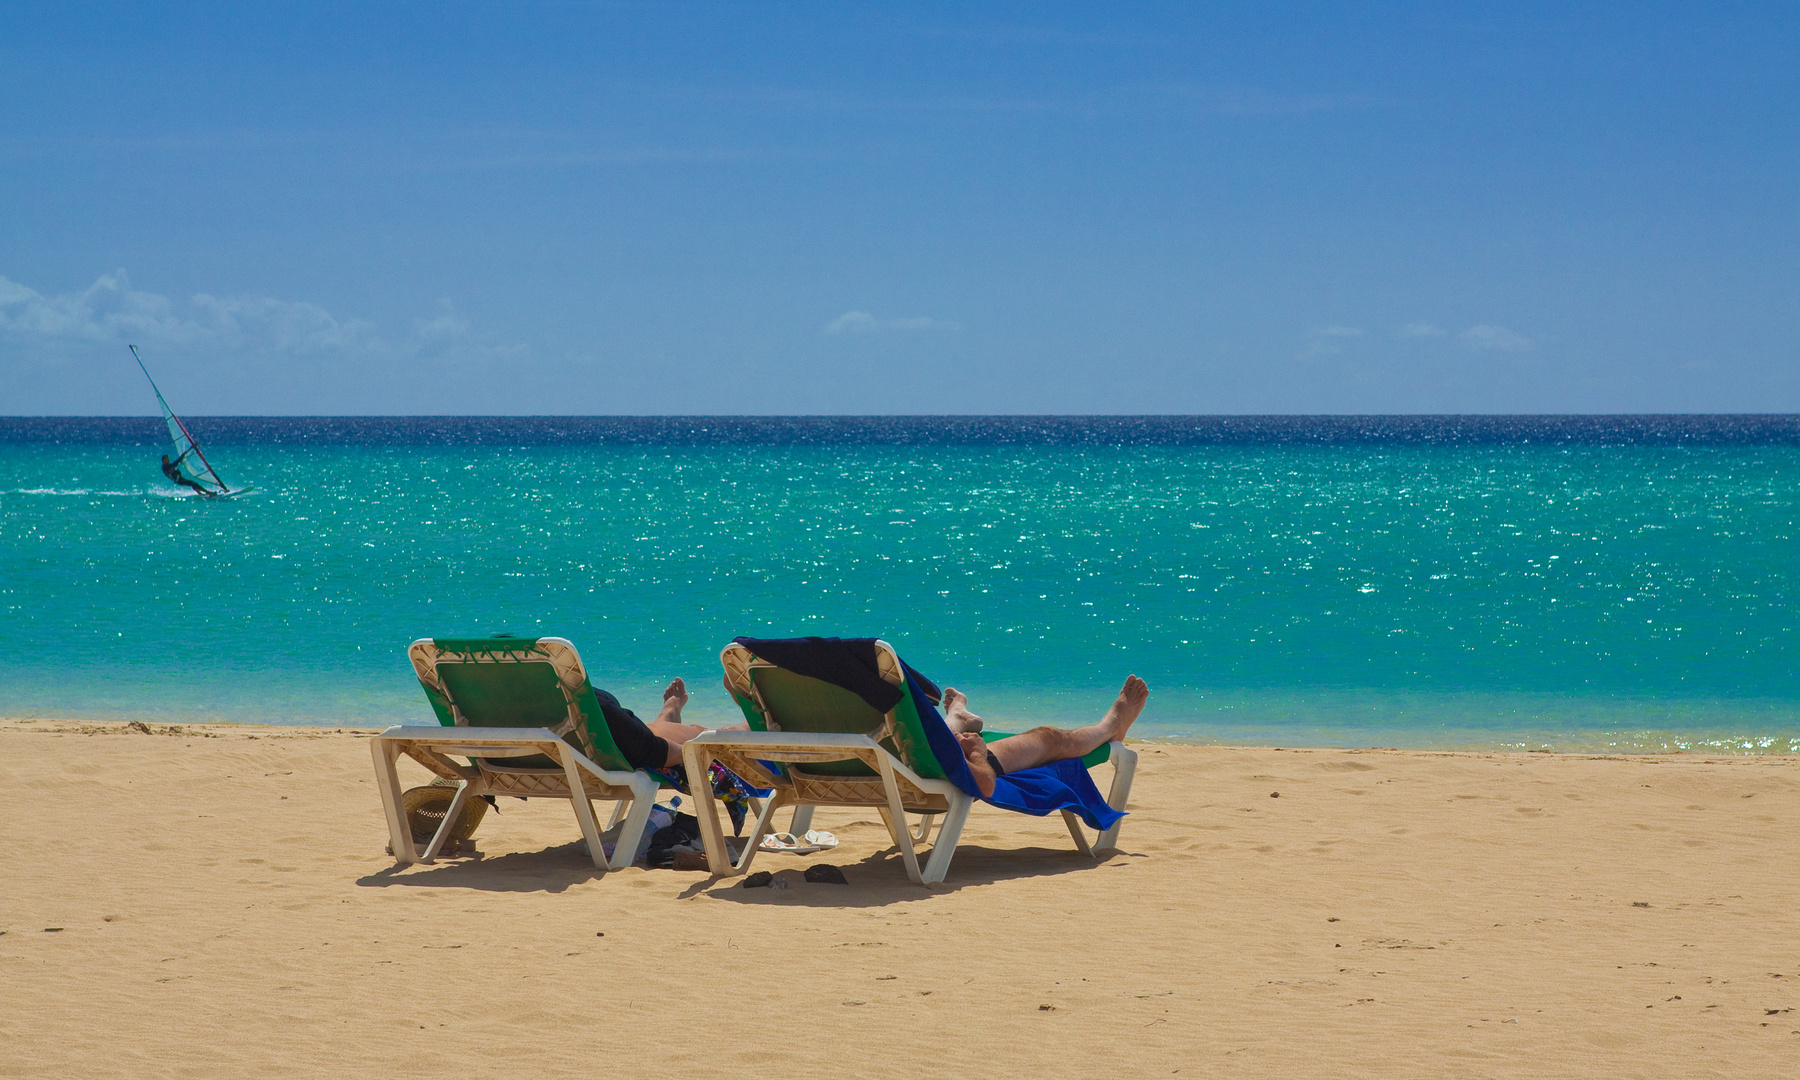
(1040, 745)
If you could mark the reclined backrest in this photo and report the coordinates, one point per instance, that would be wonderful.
(803, 703)
(519, 683)
(782, 700)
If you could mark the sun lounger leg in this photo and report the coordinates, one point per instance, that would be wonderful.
(618, 812)
(460, 800)
(631, 837)
(759, 830)
(388, 780)
(895, 816)
(802, 822)
(924, 832)
(584, 810)
(948, 834)
(1074, 824)
(1124, 763)
(706, 809)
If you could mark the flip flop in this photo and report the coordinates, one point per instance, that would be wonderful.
(816, 840)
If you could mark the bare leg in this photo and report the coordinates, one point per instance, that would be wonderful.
(976, 755)
(668, 723)
(957, 714)
(675, 698)
(1040, 746)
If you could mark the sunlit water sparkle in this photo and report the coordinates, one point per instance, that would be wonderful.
(1571, 597)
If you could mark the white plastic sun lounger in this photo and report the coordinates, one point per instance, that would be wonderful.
(575, 778)
(796, 716)
(893, 791)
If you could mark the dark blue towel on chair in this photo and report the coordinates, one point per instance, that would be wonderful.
(846, 662)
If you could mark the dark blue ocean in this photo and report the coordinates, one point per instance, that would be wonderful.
(1618, 583)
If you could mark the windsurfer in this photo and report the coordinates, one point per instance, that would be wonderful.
(172, 470)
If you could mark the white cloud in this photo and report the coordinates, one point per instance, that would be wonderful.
(111, 310)
(278, 325)
(447, 324)
(861, 322)
(1420, 330)
(1239, 100)
(1324, 340)
(852, 322)
(1496, 337)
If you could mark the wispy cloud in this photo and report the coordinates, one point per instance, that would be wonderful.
(1498, 338)
(111, 310)
(861, 322)
(1137, 98)
(1327, 340)
(1012, 34)
(1420, 330)
(1235, 100)
(446, 324)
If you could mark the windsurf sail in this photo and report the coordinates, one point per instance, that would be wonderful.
(187, 448)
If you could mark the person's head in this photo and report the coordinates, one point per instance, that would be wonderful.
(165, 459)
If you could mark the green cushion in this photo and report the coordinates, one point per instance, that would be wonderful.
(506, 695)
(800, 703)
(804, 704)
(523, 691)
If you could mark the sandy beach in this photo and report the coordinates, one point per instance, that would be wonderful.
(210, 901)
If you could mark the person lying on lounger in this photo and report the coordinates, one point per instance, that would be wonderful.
(1040, 745)
(657, 744)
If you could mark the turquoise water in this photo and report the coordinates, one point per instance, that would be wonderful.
(1577, 597)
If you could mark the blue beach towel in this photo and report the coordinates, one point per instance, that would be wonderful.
(850, 663)
(1060, 785)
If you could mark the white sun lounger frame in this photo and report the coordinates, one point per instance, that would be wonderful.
(894, 791)
(578, 779)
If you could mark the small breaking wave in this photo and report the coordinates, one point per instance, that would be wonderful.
(139, 493)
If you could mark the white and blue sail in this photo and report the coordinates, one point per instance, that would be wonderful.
(187, 448)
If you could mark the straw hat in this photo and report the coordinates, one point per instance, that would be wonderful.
(426, 806)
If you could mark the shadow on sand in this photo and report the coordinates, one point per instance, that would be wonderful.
(881, 878)
(551, 870)
(875, 881)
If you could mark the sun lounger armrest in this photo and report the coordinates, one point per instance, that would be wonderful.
(495, 742)
(800, 747)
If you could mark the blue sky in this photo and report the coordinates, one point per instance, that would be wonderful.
(859, 208)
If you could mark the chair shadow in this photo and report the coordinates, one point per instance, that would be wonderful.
(552, 870)
(877, 880)
(880, 879)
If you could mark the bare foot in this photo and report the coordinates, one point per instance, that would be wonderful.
(956, 712)
(975, 752)
(675, 698)
(1125, 710)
